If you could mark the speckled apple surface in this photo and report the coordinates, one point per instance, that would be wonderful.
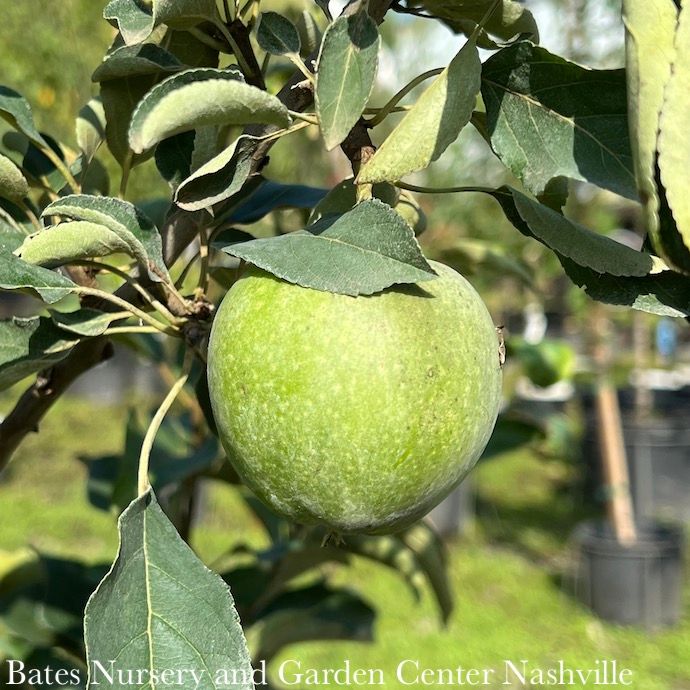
(359, 413)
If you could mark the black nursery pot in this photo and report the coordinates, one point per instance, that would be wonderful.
(637, 585)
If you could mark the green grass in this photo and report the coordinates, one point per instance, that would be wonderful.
(506, 575)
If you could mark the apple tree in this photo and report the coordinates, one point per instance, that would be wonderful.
(203, 91)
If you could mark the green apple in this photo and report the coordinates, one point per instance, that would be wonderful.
(357, 413)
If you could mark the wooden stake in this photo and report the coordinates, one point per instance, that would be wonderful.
(615, 464)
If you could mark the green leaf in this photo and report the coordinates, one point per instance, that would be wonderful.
(29, 345)
(434, 122)
(277, 35)
(199, 97)
(345, 74)
(120, 97)
(10, 237)
(360, 253)
(136, 22)
(133, 21)
(181, 14)
(122, 218)
(548, 117)
(84, 322)
(13, 184)
(16, 274)
(218, 179)
(310, 614)
(159, 607)
(510, 19)
(649, 53)
(674, 148)
(571, 240)
(15, 109)
(269, 196)
(136, 61)
(665, 293)
(608, 271)
(90, 127)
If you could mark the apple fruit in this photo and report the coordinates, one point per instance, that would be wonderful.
(357, 413)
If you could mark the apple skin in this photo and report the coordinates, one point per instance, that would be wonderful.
(357, 413)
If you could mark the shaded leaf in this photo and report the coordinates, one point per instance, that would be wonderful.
(131, 226)
(15, 109)
(433, 123)
(10, 237)
(84, 322)
(311, 613)
(310, 35)
(335, 255)
(29, 345)
(136, 61)
(90, 127)
(16, 274)
(174, 157)
(269, 196)
(190, 50)
(43, 600)
(277, 34)
(120, 97)
(176, 456)
(345, 74)
(390, 551)
(430, 552)
(199, 97)
(510, 19)
(674, 148)
(548, 117)
(512, 431)
(37, 166)
(650, 29)
(666, 293)
(13, 184)
(220, 178)
(571, 240)
(343, 197)
(160, 607)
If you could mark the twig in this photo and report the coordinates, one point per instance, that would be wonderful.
(149, 438)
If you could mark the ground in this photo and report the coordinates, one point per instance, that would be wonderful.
(507, 574)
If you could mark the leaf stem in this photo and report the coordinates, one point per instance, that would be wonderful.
(208, 40)
(441, 190)
(24, 205)
(388, 108)
(303, 116)
(171, 329)
(115, 330)
(126, 169)
(158, 306)
(297, 61)
(60, 165)
(239, 56)
(145, 454)
(203, 255)
(482, 22)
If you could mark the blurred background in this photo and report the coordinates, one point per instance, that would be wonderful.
(523, 568)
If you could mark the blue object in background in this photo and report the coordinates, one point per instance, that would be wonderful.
(666, 338)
